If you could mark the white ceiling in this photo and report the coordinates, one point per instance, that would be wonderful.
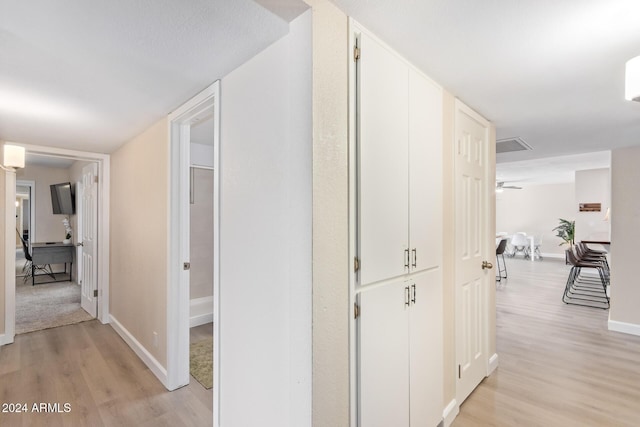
(48, 161)
(552, 170)
(551, 72)
(90, 75)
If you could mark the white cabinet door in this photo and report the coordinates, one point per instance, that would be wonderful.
(425, 349)
(425, 172)
(383, 355)
(382, 163)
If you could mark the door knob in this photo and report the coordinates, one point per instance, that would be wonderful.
(486, 264)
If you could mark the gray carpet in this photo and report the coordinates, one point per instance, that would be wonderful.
(47, 306)
(201, 362)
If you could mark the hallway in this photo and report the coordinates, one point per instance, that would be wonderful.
(89, 367)
(558, 364)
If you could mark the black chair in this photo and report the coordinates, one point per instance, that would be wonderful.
(29, 269)
(500, 254)
(583, 290)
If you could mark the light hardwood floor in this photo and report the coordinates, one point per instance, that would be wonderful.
(89, 366)
(558, 364)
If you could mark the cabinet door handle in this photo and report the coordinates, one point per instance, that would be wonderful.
(414, 251)
(406, 258)
(407, 297)
(413, 298)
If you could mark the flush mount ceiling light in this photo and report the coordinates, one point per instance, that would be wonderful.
(13, 157)
(632, 79)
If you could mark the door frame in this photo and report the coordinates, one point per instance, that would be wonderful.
(104, 165)
(178, 279)
(32, 202)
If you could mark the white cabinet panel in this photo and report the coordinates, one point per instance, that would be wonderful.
(425, 349)
(383, 162)
(398, 122)
(425, 172)
(400, 352)
(383, 355)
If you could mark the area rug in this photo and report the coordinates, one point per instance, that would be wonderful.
(201, 362)
(47, 306)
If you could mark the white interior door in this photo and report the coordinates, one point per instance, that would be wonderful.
(89, 238)
(472, 279)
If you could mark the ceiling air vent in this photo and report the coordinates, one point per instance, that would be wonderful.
(508, 145)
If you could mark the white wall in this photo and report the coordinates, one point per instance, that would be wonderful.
(201, 155)
(535, 210)
(330, 216)
(138, 241)
(48, 227)
(201, 236)
(625, 235)
(265, 236)
(592, 186)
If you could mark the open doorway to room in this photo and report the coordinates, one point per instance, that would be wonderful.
(49, 243)
(194, 262)
(60, 238)
(201, 237)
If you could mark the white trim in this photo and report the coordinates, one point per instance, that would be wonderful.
(354, 390)
(177, 279)
(450, 413)
(4, 339)
(10, 259)
(625, 328)
(200, 311)
(493, 364)
(32, 205)
(549, 255)
(104, 191)
(144, 355)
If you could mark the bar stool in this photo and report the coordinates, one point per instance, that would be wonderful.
(500, 254)
(585, 291)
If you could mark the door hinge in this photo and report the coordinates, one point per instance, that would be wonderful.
(356, 310)
(356, 264)
(356, 53)
(186, 266)
(95, 179)
(459, 371)
(95, 293)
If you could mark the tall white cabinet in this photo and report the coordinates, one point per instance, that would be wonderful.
(399, 166)
(397, 240)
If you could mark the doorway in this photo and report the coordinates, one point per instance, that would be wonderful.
(55, 232)
(201, 112)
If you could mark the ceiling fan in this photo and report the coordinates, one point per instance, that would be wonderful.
(500, 186)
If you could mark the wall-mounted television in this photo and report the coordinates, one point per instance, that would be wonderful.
(62, 199)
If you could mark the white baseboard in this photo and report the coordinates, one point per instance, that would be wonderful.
(450, 413)
(558, 256)
(200, 311)
(493, 363)
(144, 355)
(626, 328)
(4, 339)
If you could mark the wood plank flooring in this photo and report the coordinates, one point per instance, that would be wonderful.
(558, 363)
(88, 366)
